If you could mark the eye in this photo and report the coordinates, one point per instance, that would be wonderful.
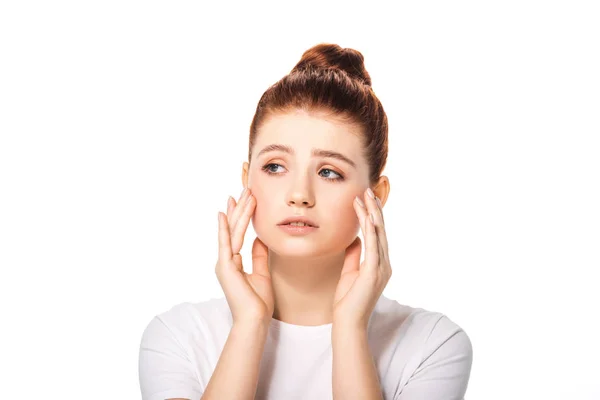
(339, 177)
(269, 170)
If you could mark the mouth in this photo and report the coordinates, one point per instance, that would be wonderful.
(297, 224)
(297, 229)
(298, 221)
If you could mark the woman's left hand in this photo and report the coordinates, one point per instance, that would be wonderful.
(359, 289)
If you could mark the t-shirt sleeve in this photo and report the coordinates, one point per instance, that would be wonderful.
(444, 372)
(165, 370)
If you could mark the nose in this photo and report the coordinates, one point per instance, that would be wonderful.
(300, 194)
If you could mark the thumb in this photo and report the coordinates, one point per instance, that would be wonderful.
(352, 257)
(260, 258)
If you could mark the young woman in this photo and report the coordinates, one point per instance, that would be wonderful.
(310, 321)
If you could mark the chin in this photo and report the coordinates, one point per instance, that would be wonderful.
(292, 245)
(287, 248)
(300, 246)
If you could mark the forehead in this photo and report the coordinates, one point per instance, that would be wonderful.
(304, 131)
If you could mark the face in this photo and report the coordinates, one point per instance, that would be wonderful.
(298, 183)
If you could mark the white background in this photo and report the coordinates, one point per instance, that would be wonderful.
(124, 126)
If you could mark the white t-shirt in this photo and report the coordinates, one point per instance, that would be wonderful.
(419, 354)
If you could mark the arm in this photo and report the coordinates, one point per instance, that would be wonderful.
(165, 367)
(236, 373)
(354, 374)
(167, 372)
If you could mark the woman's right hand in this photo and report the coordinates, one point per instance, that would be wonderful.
(250, 296)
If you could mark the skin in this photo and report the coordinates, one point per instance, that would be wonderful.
(305, 270)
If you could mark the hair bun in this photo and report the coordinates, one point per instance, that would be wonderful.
(333, 56)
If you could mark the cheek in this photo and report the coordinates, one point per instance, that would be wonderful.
(260, 188)
(349, 219)
(343, 217)
(262, 205)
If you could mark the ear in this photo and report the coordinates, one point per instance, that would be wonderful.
(245, 168)
(382, 189)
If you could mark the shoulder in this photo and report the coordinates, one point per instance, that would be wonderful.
(179, 348)
(416, 320)
(424, 331)
(427, 354)
(191, 319)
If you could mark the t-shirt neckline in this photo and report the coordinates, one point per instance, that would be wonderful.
(300, 331)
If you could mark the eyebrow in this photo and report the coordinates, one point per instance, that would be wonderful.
(315, 153)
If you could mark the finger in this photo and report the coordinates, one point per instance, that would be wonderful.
(381, 232)
(371, 246)
(260, 258)
(230, 206)
(380, 209)
(239, 208)
(372, 205)
(373, 208)
(237, 237)
(361, 212)
(383, 243)
(352, 257)
(224, 238)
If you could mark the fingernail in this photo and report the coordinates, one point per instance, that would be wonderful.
(360, 203)
(370, 193)
(243, 193)
(378, 201)
(249, 198)
(372, 218)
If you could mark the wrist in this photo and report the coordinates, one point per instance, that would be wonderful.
(252, 324)
(341, 324)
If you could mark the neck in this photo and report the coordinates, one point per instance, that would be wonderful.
(304, 287)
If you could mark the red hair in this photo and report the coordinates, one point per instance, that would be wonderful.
(331, 79)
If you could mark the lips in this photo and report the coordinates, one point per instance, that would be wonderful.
(304, 220)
